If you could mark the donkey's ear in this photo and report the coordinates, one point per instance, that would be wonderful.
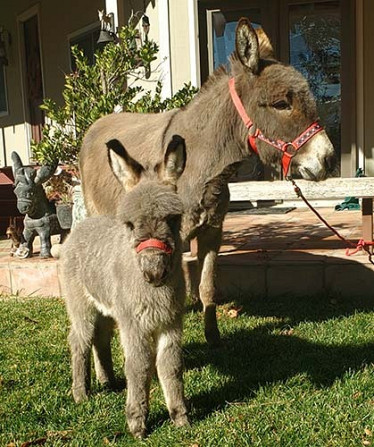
(174, 160)
(247, 46)
(127, 170)
(265, 47)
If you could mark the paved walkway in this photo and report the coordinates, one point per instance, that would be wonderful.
(261, 255)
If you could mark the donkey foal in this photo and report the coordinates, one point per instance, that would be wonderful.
(127, 270)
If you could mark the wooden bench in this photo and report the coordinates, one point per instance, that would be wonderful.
(334, 188)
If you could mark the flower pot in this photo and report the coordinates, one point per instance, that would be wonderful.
(64, 213)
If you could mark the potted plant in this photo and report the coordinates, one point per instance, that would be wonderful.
(60, 190)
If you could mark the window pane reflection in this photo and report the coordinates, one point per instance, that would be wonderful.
(315, 35)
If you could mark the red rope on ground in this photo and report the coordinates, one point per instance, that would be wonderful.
(360, 245)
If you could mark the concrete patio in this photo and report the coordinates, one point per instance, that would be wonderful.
(261, 255)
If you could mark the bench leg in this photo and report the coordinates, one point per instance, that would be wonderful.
(367, 221)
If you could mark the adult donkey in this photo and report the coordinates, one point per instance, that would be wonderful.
(215, 126)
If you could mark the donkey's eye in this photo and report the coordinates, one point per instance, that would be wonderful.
(129, 225)
(281, 105)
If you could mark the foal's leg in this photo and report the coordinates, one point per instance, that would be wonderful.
(82, 317)
(169, 366)
(208, 243)
(102, 350)
(139, 368)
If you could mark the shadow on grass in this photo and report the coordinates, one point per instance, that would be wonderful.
(250, 359)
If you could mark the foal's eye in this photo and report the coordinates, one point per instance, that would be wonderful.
(281, 105)
(173, 220)
(129, 225)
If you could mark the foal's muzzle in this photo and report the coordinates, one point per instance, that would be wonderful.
(155, 260)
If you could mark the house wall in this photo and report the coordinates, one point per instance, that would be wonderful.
(56, 21)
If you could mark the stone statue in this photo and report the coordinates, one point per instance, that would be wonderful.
(32, 201)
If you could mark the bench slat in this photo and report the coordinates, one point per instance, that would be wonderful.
(333, 188)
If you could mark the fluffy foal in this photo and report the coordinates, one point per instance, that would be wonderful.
(127, 271)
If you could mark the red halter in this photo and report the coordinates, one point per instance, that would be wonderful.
(154, 243)
(294, 145)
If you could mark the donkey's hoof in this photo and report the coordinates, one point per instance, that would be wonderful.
(213, 337)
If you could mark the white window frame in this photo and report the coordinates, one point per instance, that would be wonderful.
(95, 26)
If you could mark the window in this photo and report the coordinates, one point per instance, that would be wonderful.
(222, 39)
(87, 42)
(314, 50)
(3, 93)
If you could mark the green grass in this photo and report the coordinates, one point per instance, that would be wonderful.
(290, 372)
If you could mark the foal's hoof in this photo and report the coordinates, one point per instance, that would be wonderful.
(182, 421)
(137, 430)
(79, 395)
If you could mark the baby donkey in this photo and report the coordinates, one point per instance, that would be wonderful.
(127, 271)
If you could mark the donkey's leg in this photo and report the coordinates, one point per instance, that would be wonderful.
(102, 350)
(139, 368)
(209, 241)
(169, 364)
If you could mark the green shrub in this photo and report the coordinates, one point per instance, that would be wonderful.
(92, 91)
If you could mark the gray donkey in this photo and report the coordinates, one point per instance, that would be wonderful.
(127, 270)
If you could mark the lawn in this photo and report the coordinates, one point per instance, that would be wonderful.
(290, 372)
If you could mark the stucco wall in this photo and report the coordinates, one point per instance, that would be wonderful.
(56, 21)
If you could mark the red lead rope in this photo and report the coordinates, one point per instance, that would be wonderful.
(353, 248)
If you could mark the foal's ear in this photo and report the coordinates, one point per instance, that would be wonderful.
(126, 170)
(174, 160)
(246, 44)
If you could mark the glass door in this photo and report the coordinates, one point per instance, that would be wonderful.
(314, 36)
(315, 50)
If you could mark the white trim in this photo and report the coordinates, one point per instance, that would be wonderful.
(360, 97)
(86, 29)
(164, 52)
(194, 43)
(112, 6)
(209, 29)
